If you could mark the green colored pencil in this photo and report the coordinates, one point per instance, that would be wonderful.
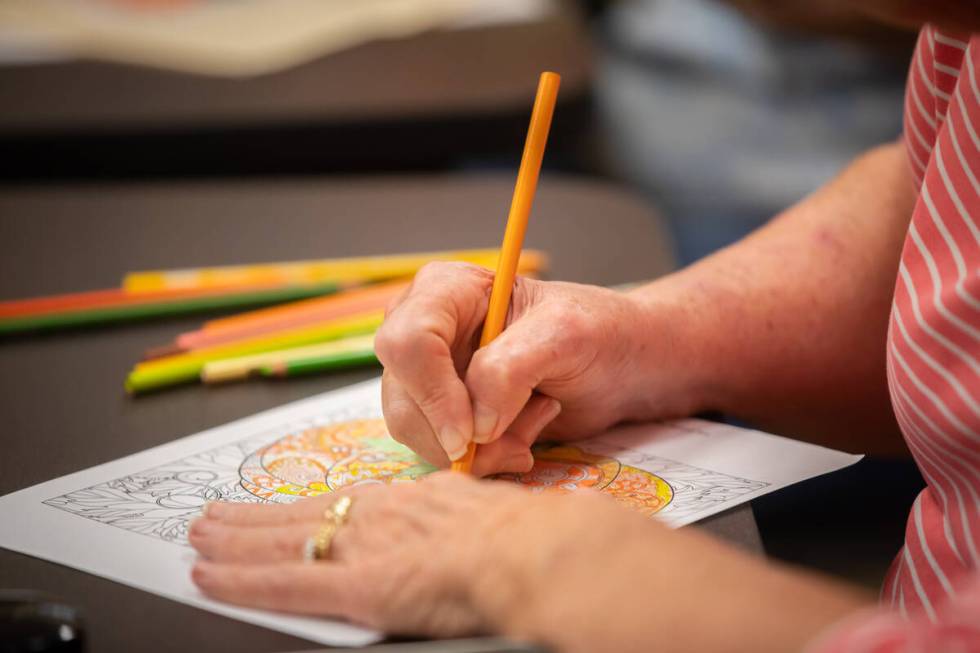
(163, 308)
(318, 364)
(183, 368)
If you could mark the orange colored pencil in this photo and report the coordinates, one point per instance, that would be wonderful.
(295, 315)
(531, 262)
(53, 303)
(520, 211)
(113, 297)
(260, 314)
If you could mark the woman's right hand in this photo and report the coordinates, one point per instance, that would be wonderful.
(573, 360)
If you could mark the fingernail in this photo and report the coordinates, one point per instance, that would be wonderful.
(484, 423)
(521, 463)
(452, 442)
(200, 571)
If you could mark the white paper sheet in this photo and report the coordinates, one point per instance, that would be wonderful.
(126, 520)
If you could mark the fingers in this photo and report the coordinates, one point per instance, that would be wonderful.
(278, 514)
(321, 589)
(550, 343)
(224, 543)
(407, 424)
(537, 413)
(506, 454)
(269, 514)
(512, 451)
(416, 343)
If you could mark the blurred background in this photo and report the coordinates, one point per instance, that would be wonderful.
(719, 113)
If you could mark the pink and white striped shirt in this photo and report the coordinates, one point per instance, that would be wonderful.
(933, 586)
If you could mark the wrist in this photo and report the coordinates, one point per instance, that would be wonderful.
(673, 353)
(530, 554)
(549, 561)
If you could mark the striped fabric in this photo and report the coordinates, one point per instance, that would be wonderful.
(933, 587)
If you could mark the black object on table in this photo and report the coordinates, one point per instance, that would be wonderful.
(61, 394)
(31, 622)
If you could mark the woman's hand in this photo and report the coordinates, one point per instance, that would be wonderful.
(573, 360)
(436, 558)
(452, 556)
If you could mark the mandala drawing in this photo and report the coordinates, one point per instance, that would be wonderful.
(327, 458)
(328, 450)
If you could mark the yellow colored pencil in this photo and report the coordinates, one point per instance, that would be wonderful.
(520, 211)
(236, 369)
(340, 270)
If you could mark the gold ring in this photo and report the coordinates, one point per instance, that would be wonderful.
(318, 545)
(338, 510)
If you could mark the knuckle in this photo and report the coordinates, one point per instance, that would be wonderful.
(401, 341)
(444, 275)
(287, 545)
(434, 270)
(575, 326)
(569, 315)
(527, 292)
(388, 512)
(429, 333)
(363, 503)
(395, 302)
(492, 367)
(405, 493)
(390, 341)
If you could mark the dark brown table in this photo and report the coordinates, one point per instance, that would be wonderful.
(423, 101)
(61, 394)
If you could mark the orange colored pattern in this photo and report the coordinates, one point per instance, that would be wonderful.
(324, 459)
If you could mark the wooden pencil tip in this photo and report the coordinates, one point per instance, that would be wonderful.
(216, 374)
(162, 351)
(277, 369)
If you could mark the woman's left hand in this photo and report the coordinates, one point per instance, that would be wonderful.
(451, 556)
(410, 558)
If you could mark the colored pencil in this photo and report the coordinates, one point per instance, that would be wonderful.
(187, 367)
(295, 315)
(319, 364)
(520, 212)
(56, 303)
(359, 269)
(239, 368)
(131, 309)
(531, 262)
(113, 297)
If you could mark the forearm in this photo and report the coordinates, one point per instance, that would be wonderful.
(787, 327)
(656, 588)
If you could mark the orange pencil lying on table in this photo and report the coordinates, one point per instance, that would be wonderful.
(311, 311)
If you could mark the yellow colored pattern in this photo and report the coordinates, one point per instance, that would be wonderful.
(327, 458)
